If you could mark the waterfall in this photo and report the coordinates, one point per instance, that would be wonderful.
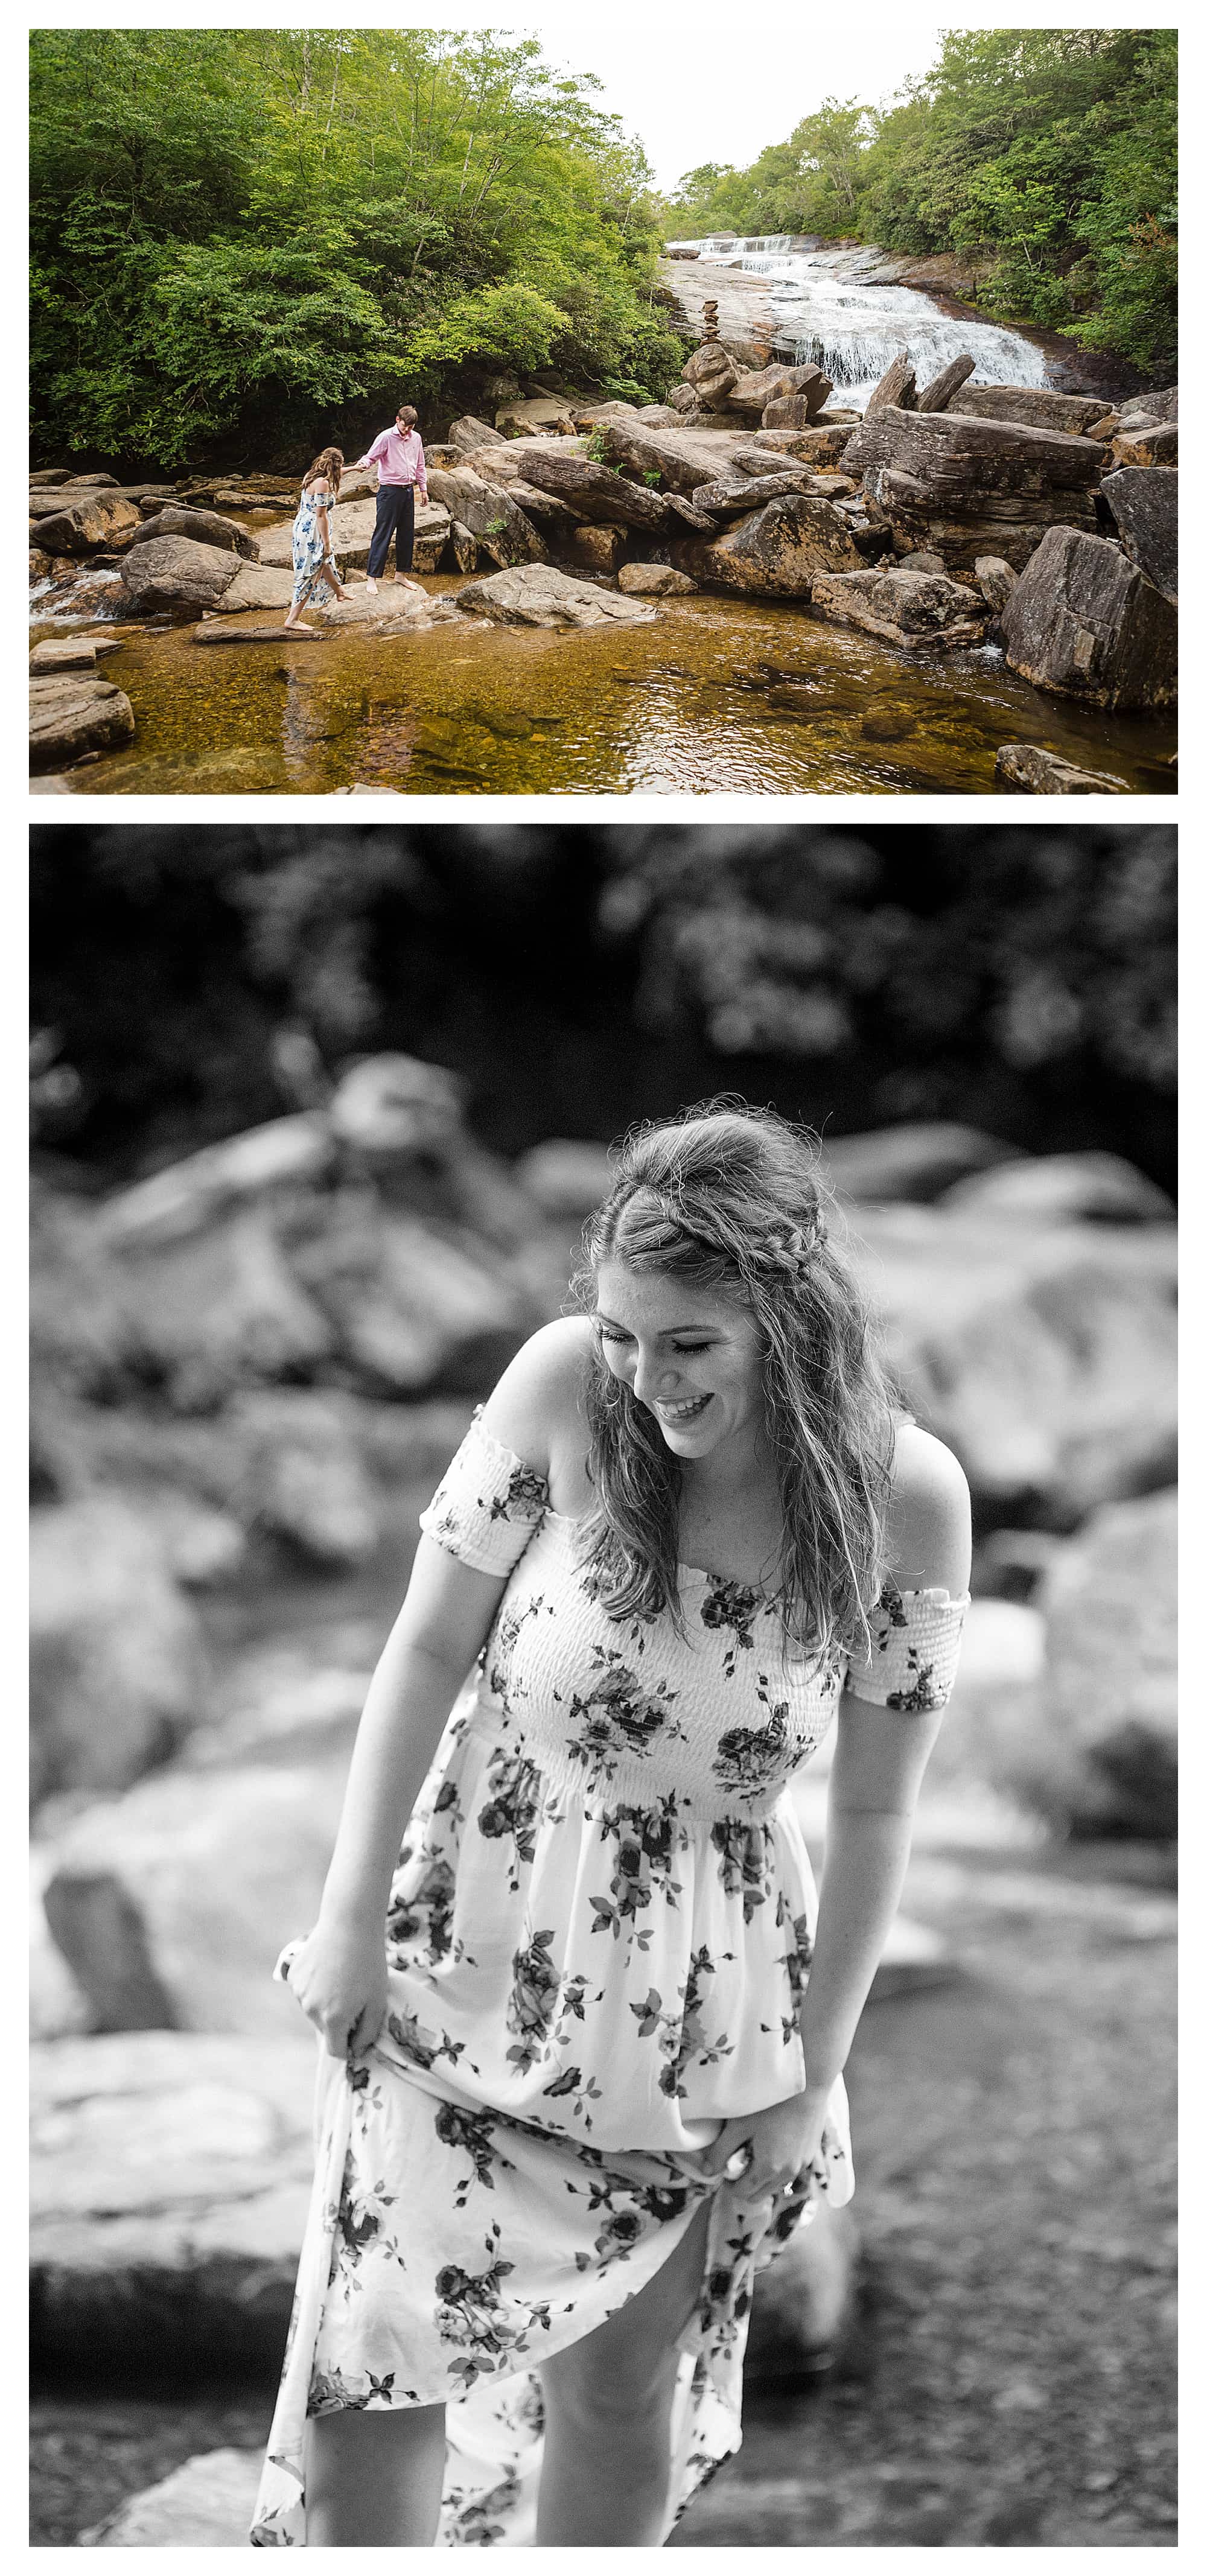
(828, 312)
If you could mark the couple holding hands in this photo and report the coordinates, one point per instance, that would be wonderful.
(398, 456)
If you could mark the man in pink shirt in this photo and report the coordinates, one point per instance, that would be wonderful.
(398, 456)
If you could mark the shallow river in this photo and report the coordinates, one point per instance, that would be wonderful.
(716, 695)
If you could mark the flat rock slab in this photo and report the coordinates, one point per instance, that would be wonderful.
(1034, 405)
(172, 2174)
(206, 2504)
(1083, 622)
(213, 632)
(906, 608)
(655, 581)
(72, 714)
(539, 595)
(1026, 769)
(1143, 507)
(72, 652)
(396, 609)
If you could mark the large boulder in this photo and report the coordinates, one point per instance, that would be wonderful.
(409, 1307)
(1085, 623)
(176, 572)
(207, 526)
(303, 1478)
(595, 494)
(779, 551)
(118, 1664)
(171, 2178)
(71, 715)
(968, 487)
(186, 1197)
(1109, 1692)
(87, 526)
(682, 458)
(171, 1904)
(1143, 511)
(1035, 406)
(592, 549)
(220, 1310)
(1044, 1354)
(539, 595)
(917, 1162)
(504, 530)
(905, 607)
(1135, 445)
(1059, 1189)
(1028, 769)
(819, 447)
(755, 389)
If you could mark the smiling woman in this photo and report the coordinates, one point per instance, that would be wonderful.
(684, 1534)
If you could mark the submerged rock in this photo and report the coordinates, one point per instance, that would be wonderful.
(539, 595)
(72, 715)
(1085, 623)
(1027, 769)
(906, 608)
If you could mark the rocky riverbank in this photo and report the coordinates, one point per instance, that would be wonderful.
(948, 518)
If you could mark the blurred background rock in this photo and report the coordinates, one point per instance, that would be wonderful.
(317, 1116)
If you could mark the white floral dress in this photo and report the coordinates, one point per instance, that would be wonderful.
(599, 1934)
(311, 571)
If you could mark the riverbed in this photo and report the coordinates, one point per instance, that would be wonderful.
(716, 696)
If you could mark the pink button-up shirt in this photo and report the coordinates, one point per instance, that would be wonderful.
(398, 456)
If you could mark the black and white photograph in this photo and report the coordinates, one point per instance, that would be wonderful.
(591, 1380)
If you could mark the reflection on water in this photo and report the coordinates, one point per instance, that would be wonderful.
(716, 696)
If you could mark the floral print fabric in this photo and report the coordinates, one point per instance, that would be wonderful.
(598, 1939)
(310, 580)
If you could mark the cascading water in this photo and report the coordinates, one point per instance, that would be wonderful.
(829, 315)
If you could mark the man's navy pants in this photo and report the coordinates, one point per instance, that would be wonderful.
(395, 518)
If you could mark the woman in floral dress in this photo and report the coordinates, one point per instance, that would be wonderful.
(585, 2031)
(314, 567)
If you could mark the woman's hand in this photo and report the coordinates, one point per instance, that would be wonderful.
(338, 1976)
(784, 2146)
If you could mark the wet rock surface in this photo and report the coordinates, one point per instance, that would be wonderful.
(904, 606)
(1026, 769)
(542, 596)
(73, 716)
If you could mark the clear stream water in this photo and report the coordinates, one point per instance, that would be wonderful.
(715, 696)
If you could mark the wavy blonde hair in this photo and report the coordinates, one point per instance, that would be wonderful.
(730, 1197)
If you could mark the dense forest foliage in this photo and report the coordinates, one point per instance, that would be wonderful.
(1052, 149)
(287, 232)
(581, 977)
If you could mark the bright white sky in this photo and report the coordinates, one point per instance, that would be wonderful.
(704, 86)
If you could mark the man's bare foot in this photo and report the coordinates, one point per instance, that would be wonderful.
(371, 586)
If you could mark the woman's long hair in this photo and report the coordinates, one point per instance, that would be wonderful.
(330, 463)
(729, 1197)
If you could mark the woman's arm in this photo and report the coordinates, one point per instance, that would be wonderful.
(879, 1760)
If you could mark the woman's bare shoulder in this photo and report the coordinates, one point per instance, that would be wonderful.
(929, 1515)
(537, 1405)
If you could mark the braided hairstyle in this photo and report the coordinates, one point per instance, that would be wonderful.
(731, 1197)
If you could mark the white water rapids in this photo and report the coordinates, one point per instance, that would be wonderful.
(830, 312)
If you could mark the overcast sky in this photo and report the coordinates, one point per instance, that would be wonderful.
(693, 93)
